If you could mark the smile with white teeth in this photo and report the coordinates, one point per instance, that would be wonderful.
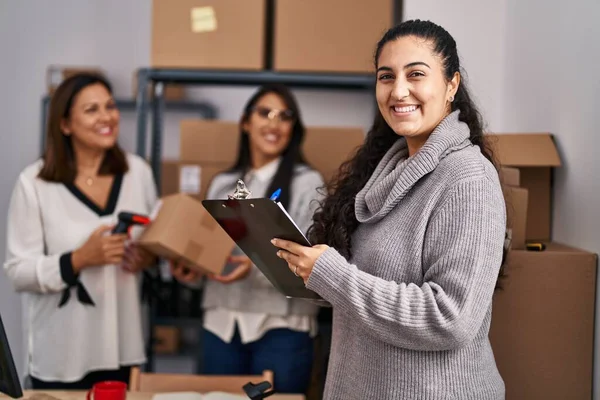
(405, 109)
(105, 131)
(271, 137)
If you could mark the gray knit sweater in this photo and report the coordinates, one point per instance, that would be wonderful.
(412, 308)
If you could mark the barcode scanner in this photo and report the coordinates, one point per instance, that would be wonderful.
(127, 220)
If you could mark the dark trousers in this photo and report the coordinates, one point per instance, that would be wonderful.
(289, 354)
(121, 374)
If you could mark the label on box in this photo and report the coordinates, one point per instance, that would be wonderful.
(203, 19)
(190, 179)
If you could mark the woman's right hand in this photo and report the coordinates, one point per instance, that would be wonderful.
(182, 273)
(99, 249)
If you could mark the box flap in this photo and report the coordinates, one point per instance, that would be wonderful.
(525, 150)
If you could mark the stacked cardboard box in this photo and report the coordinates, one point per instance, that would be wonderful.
(284, 35)
(543, 317)
(329, 36)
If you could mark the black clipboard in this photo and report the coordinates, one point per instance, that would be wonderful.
(252, 223)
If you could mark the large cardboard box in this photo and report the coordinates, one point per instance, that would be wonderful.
(55, 74)
(192, 178)
(516, 199)
(215, 144)
(542, 330)
(184, 231)
(534, 155)
(227, 34)
(329, 36)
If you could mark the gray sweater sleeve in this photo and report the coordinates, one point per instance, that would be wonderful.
(461, 259)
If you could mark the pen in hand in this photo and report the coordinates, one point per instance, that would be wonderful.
(275, 195)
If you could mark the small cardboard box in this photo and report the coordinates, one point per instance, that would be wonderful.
(329, 36)
(534, 155)
(542, 330)
(55, 74)
(192, 178)
(228, 34)
(215, 143)
(184, 231)
(166, 339)
(516, 199)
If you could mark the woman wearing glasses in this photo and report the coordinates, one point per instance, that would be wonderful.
(248, 325)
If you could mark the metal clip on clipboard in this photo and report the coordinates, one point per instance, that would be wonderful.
(241, 191)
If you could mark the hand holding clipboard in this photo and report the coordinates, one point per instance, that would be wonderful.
(252, 224)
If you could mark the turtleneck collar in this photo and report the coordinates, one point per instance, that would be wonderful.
(396, 174)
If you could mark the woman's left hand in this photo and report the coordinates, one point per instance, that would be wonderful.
(301, 259)
(136, 259)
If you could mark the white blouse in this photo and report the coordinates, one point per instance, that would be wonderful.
(67, 337)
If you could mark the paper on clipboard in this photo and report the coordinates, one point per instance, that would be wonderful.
(292, 220)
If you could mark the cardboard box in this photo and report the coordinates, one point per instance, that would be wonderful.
(172, 92)
(166, 339)
(209, 141)
(55, 74)
(227, 34)
(192, 178)
(534, 155)
(329, 36)
(542, 330)
(215, 143)
(184, 231)
(516, 199)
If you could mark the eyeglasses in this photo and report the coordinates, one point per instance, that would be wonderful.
(274, 114)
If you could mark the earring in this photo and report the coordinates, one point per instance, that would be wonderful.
(451, 99)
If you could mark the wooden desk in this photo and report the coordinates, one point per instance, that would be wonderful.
(78, 395)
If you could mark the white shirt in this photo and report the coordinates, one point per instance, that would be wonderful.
(47, 220)
(252, 326)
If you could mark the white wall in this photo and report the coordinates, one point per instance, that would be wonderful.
(479, 29)
(76, 32)
(553, 85)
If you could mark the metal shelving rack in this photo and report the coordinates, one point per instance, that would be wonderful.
(160, 77)
(157, 78)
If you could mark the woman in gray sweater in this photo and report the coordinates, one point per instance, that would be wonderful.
(411, 236)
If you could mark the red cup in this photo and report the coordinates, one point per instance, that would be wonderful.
(108, 390)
